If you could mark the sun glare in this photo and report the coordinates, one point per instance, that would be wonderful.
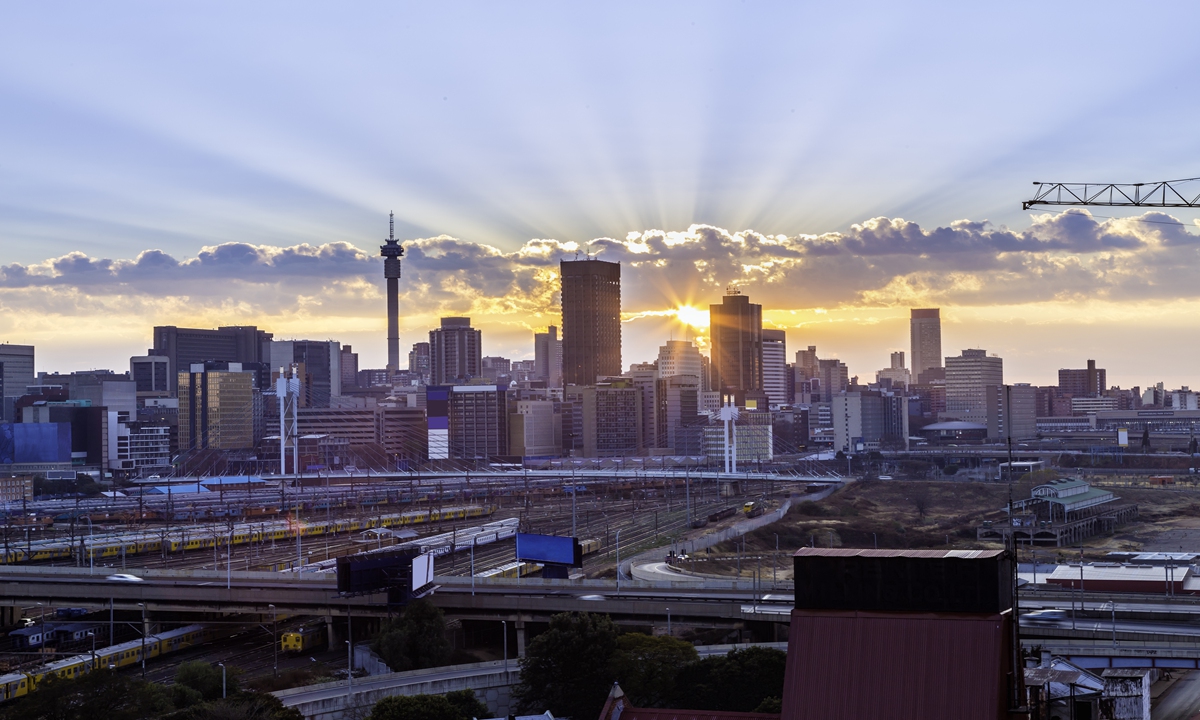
(693, 316)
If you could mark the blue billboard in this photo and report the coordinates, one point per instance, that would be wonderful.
(35, 443)
(551, 549)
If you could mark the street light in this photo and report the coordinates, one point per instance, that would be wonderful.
(143, 630)
(275, 638)
(92, 635)
(504, 624)
(668, 622)
(618, 562)
(223, 695)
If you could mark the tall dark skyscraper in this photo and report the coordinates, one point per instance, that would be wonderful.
(591, 320)
(185, 346)
(391, 253)
(735, 330)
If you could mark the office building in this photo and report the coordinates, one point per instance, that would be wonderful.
(676, 414)
(548, 357)
(535, 429)
(151, 375)
(925, 331)
(1090, 382)
(403, 432)
(680, 357)
(896, 375)
(496, 368)
(1012, 412)
(16, 374)
(216, 409)
(754, 444)
(320, 364)
(467, 422)
(834, 377)
(967, 379)
(349, 367)
(870, 420)
(775, 367)
(643, 376)
(185, 347)
(455, 352)
(735, 331)
(591, 320)
(16, 489)
(612, 419)
(806, 367)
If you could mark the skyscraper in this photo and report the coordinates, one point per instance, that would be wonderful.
(321, 363)
(216, 409)
(967, 379)
(455, 352)
(418, 359)
(548, 357)
(680, 357)
(591, 313)
(735, 330)
(925, 330)
(775, 369)
(391, 253)
(16, 373)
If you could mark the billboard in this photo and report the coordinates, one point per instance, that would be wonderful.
(372, 572)
(35, 443)
(549, 549)
(1123, 437)
(422, 571)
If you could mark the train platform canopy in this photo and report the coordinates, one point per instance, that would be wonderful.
(187, 489)
(1115, 577)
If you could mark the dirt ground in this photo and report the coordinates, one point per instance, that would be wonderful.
(945, 515)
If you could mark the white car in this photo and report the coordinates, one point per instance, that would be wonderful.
(123, 577)
(1045, 616)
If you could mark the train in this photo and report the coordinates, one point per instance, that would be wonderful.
(590, 545)
(512, 570)
(125, 544)
(303, 638)
(16, 684)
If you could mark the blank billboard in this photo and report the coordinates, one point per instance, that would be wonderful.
(422, 571)
(549, 549)
(372, 572)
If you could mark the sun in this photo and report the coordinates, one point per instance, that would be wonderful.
(693, 316)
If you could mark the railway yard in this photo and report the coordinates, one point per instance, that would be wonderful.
(467, 523)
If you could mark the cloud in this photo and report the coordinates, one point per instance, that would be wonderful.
(880, 262)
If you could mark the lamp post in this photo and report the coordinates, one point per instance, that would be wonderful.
(504, 626)
(223, 688)
(91, 551)
(618, 562)
(92, 635)
(668, 622)
(143, 607)
(275, 638)
(1113, 606)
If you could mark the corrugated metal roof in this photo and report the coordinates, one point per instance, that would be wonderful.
(1107, 571)
(854, 552)
(896, 666)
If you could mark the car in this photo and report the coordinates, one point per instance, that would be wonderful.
(124, 577)
(1045, 616)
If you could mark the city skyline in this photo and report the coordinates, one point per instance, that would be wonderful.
(185, 170)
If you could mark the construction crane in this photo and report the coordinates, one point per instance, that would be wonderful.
(1164, 194)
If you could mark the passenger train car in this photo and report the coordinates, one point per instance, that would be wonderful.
(303, 638)
(16, 684)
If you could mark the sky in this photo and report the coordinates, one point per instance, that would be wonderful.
(206, 164)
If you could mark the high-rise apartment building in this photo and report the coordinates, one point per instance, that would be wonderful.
(677, 415)
(735, 331)
(643, 376)
(806, 367)
(187, 346)
(216, 409)
(967, 379)
(1011, 411)
(320, 364)
(612, 419)
(925, 330)
(418, 359)
(548, 357)
(534, 429)
(455, 352)
(870, 420)
(16, 374)
(774, 364)
(467, 422)
(1089, 382)
(834, 377)
(591, 314)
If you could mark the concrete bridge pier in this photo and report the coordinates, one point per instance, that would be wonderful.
(520, 624)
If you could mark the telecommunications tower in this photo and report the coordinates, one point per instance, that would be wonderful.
(392, 252)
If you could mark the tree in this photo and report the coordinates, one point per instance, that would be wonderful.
(205, 678)
(414, 707)
(415, 640)
(467, 705)
(646, 666)
(566, 669)
(97, 695)
(243, 706)
(739, 681)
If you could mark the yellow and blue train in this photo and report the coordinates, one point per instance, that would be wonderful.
(14, 685)
(303, 638)
(181, 539)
